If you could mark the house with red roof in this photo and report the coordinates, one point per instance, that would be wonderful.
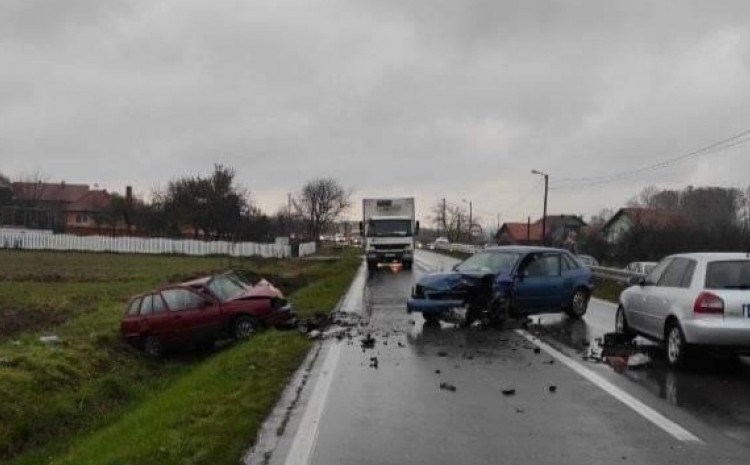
(560, 229)
(69, 208)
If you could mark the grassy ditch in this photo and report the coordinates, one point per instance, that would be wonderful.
(90, 400)
(607, 289)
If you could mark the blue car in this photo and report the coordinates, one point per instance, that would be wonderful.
(501, 282)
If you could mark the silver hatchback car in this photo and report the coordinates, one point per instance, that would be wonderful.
(688, 300)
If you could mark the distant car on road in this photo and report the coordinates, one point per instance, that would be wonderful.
(689, 300)
(439, 242)
(640, 267)
(202, 311)
(587, 260)
(502, 281)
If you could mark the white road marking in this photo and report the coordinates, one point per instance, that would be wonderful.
(307, 432)
(306, 436)
(675, 430)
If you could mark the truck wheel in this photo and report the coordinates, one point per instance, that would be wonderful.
(372, 266)
(431, 319)
(406, 264)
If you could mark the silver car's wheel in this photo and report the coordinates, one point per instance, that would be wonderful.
(676, 346)
(621, 323)
(244, 327)
(579, 303)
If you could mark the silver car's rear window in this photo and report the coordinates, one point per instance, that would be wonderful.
(733, 274)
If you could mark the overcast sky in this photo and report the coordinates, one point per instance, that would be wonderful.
(431, 98)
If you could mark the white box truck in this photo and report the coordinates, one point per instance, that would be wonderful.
(388, 229)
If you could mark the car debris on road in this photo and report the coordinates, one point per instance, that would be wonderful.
(447, 387)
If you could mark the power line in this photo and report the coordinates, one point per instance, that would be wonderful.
(524, 198)
(715, 147)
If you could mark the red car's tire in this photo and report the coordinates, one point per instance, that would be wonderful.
(152, 347)
(244, 326)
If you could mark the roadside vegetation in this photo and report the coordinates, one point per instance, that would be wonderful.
(607, 289)
(88, 399)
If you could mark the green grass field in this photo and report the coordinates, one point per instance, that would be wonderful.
(91, 400)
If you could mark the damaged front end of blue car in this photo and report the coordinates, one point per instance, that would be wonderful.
(440, 293)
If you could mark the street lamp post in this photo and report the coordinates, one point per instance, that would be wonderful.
(544, 215)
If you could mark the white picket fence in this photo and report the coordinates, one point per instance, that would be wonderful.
(307, 248)
(31, 240)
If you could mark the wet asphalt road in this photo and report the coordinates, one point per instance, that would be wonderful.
(396, 412)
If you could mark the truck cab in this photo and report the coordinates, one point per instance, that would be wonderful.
(388, 230)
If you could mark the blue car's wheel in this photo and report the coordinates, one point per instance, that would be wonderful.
(579, 303)
(431, 318)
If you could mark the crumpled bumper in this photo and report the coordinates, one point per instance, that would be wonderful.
(284, 317)
(432, 305)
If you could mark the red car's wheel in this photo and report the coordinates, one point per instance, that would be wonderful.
(244, 326)
(152, 347)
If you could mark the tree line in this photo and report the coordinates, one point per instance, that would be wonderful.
(710, 219)
(216, 207)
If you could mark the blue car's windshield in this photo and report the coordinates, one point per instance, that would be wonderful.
(492, 262)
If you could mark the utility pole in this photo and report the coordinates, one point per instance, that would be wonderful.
(471, 221)
(445, 224)
(544, 217)
(528, 230)
(289, 215)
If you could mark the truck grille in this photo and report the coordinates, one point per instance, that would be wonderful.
(390, 246)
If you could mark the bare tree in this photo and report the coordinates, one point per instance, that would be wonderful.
(321, 201)
(6, 191)
(35, 183)
(602, 217)
(453, 220)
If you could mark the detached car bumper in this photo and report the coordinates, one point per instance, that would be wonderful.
(431, 306)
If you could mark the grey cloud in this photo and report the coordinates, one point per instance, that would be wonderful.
(431, 98)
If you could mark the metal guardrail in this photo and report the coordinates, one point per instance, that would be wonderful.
(465, 248)
(602, 272)
(615, 274)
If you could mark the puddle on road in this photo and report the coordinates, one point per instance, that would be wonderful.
(713, 389)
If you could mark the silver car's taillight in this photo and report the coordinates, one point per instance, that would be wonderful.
(708, 303)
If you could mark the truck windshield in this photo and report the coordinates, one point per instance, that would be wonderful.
(384, 228)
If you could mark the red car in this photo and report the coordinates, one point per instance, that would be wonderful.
(201, 311)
